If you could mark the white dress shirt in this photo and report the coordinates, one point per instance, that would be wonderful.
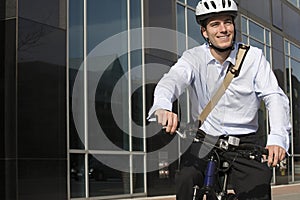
(236, 112)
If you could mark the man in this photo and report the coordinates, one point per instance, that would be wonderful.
(203, 68)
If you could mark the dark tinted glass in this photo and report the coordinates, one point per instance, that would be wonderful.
(106, 180)
(296, 105)
(47, 12)
(8, 9)
(41, 179)
(181, 28)
(77, 175)
(76, 130)
(41, 90)
(107, 83)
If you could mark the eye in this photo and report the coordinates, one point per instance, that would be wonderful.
(214, 24)
(228, 22)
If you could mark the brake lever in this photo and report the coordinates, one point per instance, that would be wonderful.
(182, 135)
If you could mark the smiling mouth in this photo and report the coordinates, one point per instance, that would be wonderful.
(223, 37)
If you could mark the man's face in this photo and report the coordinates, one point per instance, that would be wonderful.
(219, 31)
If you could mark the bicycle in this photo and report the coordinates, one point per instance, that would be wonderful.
(215, 183)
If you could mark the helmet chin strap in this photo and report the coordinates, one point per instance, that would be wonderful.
(219, 49)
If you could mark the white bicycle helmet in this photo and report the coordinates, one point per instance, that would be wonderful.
(208, 8)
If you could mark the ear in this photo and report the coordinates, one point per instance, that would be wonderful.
(204, 33)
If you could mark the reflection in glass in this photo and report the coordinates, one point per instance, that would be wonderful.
(75, 61)
(77, 175)
(297, 169)
(245, 39)
(294, 52)
(256, 31)
(268, 53)
(105, 180)
(104, 19)
(295, 2)
(293, 88)
(286, 48)
(135, 14)
(256, 44)
(295, 78)
(137, 111)
(295, 69)
(111, 106)
(136, 74)
(193, 3)
(244, 25)
(180, 28)
(193, 28)
(268, 42)
(138, 178)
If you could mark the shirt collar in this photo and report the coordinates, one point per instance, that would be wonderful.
(231, 58)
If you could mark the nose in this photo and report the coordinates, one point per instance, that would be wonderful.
(222, 27)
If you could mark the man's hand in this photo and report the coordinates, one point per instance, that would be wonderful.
(167, 119)
(276, 154)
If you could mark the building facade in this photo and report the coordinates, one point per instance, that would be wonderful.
(77, 80)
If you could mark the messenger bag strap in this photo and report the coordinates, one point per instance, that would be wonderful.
(233, 71)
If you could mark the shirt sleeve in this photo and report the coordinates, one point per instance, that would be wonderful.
(276, 102)
(173, 84)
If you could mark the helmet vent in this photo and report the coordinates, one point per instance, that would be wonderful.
(223, 3)
(229, 3)
(213, 4)
(206, 5)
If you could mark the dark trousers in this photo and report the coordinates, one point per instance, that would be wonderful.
(249, 179)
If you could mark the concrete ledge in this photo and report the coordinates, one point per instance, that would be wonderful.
(170, 197)
(286, 189)
(278, 192)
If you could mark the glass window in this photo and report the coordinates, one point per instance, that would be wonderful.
(102, 23)
(244, 25)
(268, 53)
(181, 28)
(256, 35)
(295, 2)
(256, 31)
(77, 175)
(268, 41)
(256, 43)
(245, 39)
(104, 19)
(104, 180)
(106, 89)
(295, 68)
(193, 3)
(137, 115)
(138, 178)
(75, 60)
(135, 14)
(292, 63)
(193, 28)
(294, 52)
(297, 169)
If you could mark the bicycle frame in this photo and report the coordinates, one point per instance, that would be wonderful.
(208, 188)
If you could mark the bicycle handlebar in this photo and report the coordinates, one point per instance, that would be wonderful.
(191, 131)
